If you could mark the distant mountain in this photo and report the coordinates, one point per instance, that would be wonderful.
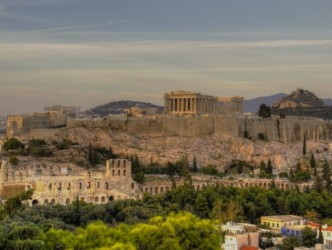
(119, 107)
(252, 105)
(299, 98)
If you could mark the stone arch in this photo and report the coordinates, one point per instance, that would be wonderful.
(132, 185)
(124, 172)
(96, 199)
(89, 199)
(124, 163)
(98, 184)
(60, 201)
(151, 190)
(118, 164)
(46, 202)
(119, 172)
(20, 177)
(156, 190)
(167, 189)
(80, 186)
(264, 185)
(111, 198)
(146, 190)
(89, 185)
(52, 201)
(102, 199)
(13, 177)
(246, 185)
(82, 199)
(161, 190)
(198, 187)
(35, 202)
(68, 186)
(67, 201)
(113, 172)
(50, 186)
(106, 185)
(89, 174)
(59, 186)
(141, 189)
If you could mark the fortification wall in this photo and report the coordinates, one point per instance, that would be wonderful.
(284, 130)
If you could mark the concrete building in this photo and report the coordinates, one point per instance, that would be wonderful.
(184, 102)
(239, 235)
(279, 221)
(327, 235)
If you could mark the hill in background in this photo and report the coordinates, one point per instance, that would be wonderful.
(119, 107)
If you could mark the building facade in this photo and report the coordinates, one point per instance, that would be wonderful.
(184, 102)
(279, 221)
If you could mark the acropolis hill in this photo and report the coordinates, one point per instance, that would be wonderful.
(208, 127)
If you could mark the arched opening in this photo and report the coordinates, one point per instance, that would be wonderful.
(68, 187)
(112, 172)
(124, 172)
(198, 188)
(53, 201)
(151, 190)
(118, 164)
(161, 190)
(46, 202)
(97, 184)
(6, 177)
(59, 186)
(156, 190)
(106, 186)
(124, 163)
(111, 198)
(96, 199)
(89, 174)
(146, 190)
(20, 177)
(103, 199)
(82, 199)
(119, 173)
(13, 177)
(60, 201)
(88, 185)
(67, 201)
(50, 186)
(167, 189)
(34, 202)
(80, 185)
(89, 199)
(132, 185)
(112, 163)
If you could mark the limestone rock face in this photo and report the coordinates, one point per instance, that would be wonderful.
(217, 150)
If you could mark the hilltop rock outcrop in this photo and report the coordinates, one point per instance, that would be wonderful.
(217, 150)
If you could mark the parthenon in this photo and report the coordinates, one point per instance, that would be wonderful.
(184, 102)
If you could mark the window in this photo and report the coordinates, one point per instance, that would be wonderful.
(124, 172)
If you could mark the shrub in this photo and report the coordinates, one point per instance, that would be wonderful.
(12, 143)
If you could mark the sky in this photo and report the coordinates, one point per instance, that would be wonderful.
(91, 52)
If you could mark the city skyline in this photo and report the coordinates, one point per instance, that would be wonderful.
(86, 53)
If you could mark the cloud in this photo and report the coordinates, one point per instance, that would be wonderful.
(119, 21)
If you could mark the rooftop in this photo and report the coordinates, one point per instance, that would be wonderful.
(283, 218)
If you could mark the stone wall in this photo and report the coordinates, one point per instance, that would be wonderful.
(284, 130)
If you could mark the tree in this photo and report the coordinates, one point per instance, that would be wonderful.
(320, 239)
(304, 148)
(201, 206)
(14, 160)
(262, 166)
(195, 168)
(139, 177)
(12, 143)
(289, 243)
(319, 185)
(291, 175)
(312, 215)
(326, 172)
(239, 168)
(313, 163)
(264, 111)
(308, 237)
(269, 167)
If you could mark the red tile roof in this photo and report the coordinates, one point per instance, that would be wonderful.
(313, 224)
(327, 229)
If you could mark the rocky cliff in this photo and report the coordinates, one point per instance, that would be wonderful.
(217, 150)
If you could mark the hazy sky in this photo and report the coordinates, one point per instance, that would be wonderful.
(90, 52)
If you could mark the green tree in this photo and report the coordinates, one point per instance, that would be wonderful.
(289, 243)
(13, 160)
(319, 185)
(304, 148)
(36, 143)
(201, 206)
(326, 172)
(195, 168)
(264, 111)
(12, 143)
(313, 163)
(320, 239)
(269, 167)
(308, 237)
(139, 177)
(239, 168)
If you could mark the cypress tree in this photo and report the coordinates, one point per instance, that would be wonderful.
(195, 168)
(320, 239)
(304, 146)
(262, 166)
(90, 153)
(269, 167)
(291, 175)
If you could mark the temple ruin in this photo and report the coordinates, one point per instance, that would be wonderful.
(184, 102)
